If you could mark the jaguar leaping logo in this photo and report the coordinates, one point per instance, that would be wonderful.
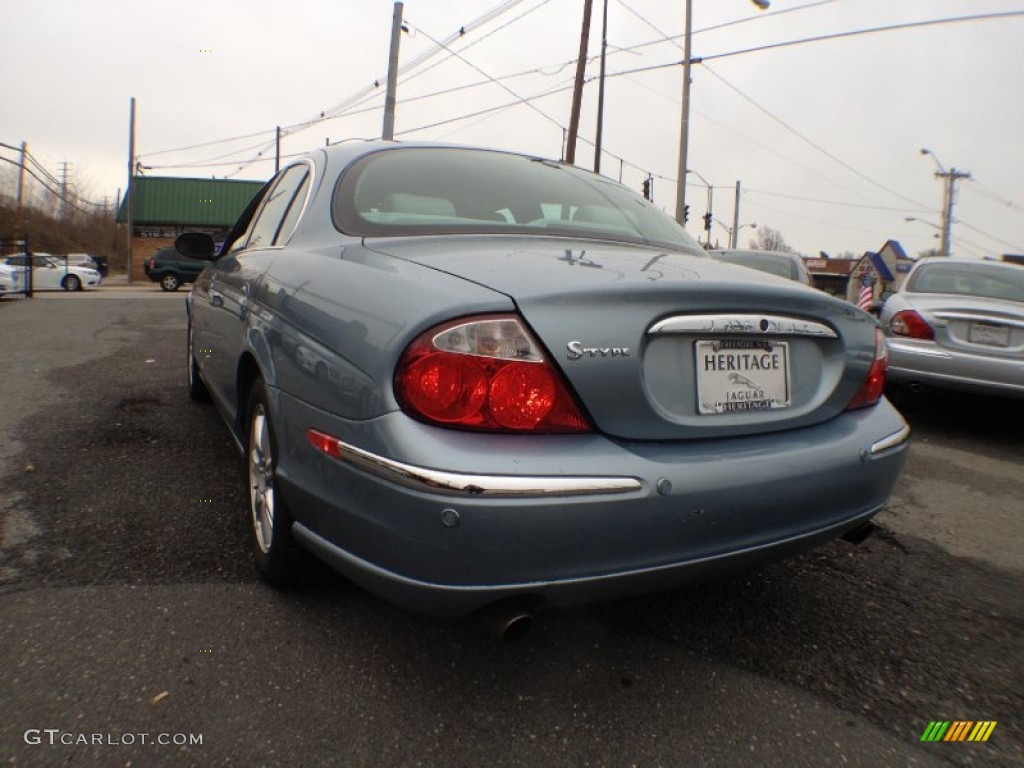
(738, 378)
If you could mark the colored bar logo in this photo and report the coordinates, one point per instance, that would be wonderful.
(958, 730)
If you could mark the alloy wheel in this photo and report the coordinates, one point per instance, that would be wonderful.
(261, 479)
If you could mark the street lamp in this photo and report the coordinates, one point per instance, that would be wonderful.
(926, 223)
(922, 221)
(734, 233)
(684, 128)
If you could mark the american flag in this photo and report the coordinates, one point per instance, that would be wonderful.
(866, 296)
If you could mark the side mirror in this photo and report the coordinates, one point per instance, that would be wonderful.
(195, 245)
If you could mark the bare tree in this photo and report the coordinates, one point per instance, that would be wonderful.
(768, 239)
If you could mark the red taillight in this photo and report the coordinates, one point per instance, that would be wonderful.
(485, 373)
(909, 323)
(871, 390)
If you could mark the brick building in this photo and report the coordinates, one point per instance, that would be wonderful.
(163, 208)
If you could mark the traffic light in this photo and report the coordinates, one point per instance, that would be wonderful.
(647, 188)
(686, 213)
(707, 221)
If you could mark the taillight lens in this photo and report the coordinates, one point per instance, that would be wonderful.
(909, 323)
(485, 373)
(871, 390)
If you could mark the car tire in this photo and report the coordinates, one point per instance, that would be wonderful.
(170, 281)
(278, 559)
(196, 388)
(71, 283)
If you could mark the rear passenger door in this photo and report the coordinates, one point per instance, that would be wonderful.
(234, 280)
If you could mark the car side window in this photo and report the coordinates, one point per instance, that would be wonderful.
(276, 206)
(295, 208)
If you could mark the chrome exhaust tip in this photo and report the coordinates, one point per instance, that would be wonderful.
(506, 620)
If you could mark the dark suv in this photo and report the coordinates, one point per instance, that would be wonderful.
(171, 269)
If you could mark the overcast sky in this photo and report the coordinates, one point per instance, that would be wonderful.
(824, 136)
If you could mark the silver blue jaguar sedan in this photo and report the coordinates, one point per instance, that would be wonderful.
(467, 378)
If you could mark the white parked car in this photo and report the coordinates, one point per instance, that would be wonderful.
(52, 274)
(10, 280)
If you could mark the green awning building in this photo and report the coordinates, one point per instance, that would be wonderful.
(163, 208)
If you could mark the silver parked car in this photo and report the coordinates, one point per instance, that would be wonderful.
(535, 387)
(778, 263)
(958, 324)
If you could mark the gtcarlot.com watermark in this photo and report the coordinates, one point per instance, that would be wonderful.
(56, 737)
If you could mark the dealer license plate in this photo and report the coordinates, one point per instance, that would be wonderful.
(741, 375)
(992, 335)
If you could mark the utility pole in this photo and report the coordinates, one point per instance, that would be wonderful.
(950, 179)
(684, 130)
(390, 98)
(277, 150)
(64, 166)
(130, 193)
(577, 91)
(734, 235)
(600, 92)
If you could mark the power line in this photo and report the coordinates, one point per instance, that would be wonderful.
(991, 194)
(53, 192)
(490, 15)
(808, 141)
(816, 39)
(673, 38)
(207, 143)
(469, 45)
(963, 223)
(518, 102)
(867, 31)
(501, 85)
(837, 202)
(330, 112)
(209, 162)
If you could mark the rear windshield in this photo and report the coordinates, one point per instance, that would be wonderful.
(986, 279)
(420, 191)
(782, 266)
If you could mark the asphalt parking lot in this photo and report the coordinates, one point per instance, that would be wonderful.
(131, 618)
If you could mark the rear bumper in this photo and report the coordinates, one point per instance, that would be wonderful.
(457, 600)
(564, 519)
(928, 364)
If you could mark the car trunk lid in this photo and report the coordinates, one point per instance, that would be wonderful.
(991, 327)
(668, 345)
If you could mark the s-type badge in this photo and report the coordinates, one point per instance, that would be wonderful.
(575, 350)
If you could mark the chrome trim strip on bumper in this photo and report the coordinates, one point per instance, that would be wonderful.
(761, 325)
(896, 438)
(980, 318)
(916, 349)
(438, 481)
